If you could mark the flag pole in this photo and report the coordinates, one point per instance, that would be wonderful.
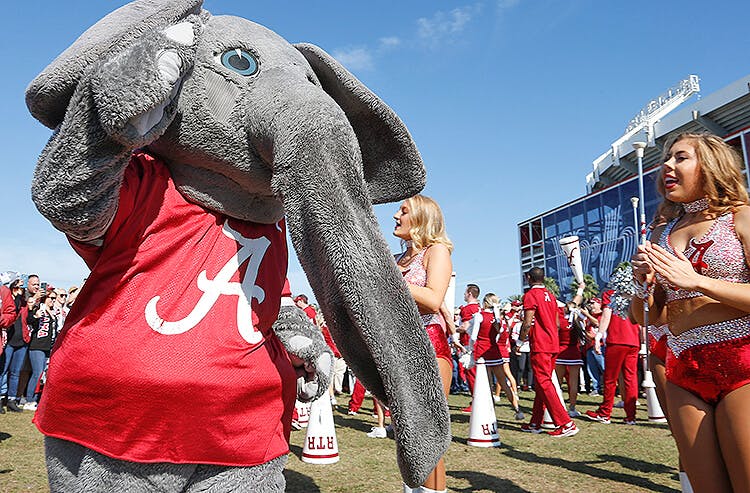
(640, 202)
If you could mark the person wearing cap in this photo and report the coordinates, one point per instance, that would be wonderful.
(16, 348)
(8, 313)
(301, 301)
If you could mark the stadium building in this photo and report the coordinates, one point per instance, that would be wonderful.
(605, 219)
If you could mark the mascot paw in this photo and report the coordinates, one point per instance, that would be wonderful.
(311, 357)
(135, 90)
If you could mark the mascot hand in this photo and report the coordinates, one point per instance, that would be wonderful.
(307, 349)
(135, 91)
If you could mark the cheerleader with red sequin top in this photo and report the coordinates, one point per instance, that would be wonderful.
(426, 266)
(698, 279)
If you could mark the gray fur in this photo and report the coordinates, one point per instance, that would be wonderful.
(75, 469)
(302, 138)
(302, 339)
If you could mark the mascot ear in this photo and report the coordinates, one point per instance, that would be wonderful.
(48, 95)
(392, 166)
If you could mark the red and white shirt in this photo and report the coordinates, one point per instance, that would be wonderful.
(168, 355)
(467, 312)
(543, 336)
(620, 330)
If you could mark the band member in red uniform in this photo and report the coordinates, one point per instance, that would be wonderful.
(540, 327)
(697, 277)
(623, 343)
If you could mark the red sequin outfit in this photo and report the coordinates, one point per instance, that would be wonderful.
(710, 360)
(434, 323)
(657, 341)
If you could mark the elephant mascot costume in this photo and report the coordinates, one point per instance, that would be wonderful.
(184, 144)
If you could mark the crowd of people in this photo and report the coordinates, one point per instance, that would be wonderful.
(693, 277)
(31, 315)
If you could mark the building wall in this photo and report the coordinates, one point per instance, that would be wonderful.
(603, 221)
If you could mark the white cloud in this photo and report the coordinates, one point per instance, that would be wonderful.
(389, 42)
(445, 25)
(354, 58)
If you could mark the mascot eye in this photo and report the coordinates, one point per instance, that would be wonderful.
(240, 61)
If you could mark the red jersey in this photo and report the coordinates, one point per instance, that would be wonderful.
(310, 312)
(543, 337)
(621, 330)
(487, 333)
(467, 312)
(168, 355)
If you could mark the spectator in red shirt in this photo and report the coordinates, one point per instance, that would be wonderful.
(301, 302)
(541, 327)
(467, 311)
(623, 343)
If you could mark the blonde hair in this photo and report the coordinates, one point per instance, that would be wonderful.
(720, 168)
(490, 300)
(427, 223)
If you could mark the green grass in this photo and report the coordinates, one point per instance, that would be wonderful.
(601, 458)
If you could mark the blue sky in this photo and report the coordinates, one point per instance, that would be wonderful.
(509, 101)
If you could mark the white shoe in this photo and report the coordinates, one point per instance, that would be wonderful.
(377, 432)
(496, 398)
(29, 406)
(333, 401)
(573, 413)
(519, 416)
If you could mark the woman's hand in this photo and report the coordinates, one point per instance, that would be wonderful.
(676, 269)
(643, 270)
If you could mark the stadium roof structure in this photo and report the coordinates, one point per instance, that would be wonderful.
(724, 112)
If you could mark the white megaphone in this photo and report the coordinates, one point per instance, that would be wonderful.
(571, 247)
(483, 423)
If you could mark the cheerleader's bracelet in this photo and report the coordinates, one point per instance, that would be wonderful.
(644, 293)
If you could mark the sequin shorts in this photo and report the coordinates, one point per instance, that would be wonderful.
(711, 360)
(437, 336)
(657, 341)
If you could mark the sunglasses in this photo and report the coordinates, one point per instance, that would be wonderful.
(51, 297)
